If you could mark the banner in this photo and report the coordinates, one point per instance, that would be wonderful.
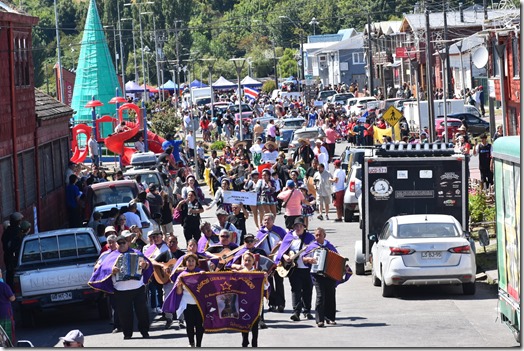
(227, 300)
(378, 133)
(236, 197)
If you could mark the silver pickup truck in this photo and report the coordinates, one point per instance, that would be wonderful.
(53, 270)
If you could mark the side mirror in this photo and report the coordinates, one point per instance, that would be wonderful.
(373, 237)
(483, 237)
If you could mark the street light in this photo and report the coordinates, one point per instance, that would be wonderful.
(313, 23)
(114, 44)
(239, 67)
(459, 47)
(301, 45)
(210, 64)
(156, 48)
(143, 72)
(137, 77)
(59, 55)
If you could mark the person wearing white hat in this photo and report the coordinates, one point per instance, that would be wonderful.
(321, 153)
(74, 338)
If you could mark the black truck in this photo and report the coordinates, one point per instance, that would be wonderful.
(402, 180)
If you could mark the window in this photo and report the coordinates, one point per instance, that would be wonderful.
(358, 58)
(67, 246)
(49, 248)
(7, 191)
(85, 244)
(26, 178)
(516, 57)
(53, 159)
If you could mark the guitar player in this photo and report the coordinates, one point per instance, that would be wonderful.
(224, 248)
(301, 285)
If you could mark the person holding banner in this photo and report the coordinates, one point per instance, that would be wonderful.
(266, 194)
(187, 303)
(270, 237)
(289, 256)
(219, 197)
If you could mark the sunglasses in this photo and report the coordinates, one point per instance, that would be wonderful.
(68, 343)
(122, 242)
(224, 236)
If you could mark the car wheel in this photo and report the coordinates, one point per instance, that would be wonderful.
(359, 269)
(374, 279)
(468, 288)
(348, 215)
(387, 290)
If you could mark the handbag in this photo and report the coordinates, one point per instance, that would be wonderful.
(284, 204)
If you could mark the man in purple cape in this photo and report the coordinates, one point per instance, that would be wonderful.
(299, 277)
(325, 287)
(208, 239)
(130, 293)
(269, 237)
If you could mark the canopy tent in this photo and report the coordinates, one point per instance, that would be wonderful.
(223, 83)
(132, 87)
(250, 82)
(169, 85)
(197, 84)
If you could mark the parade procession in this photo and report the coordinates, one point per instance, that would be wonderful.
(276, 174)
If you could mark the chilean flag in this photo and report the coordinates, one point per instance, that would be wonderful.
(251, 93)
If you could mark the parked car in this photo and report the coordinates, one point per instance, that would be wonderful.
(340, 98)
(286, 135)
(352, 192)
(352, 155)
(476, 125)
(422, 249)
(107, 193)
(355, 106)
(399, 104)
(311, 133)
(148, 223)
(291, 123)
(149, 176)
(385, 104)
(324, 94)
(53, 270)
(453, 126)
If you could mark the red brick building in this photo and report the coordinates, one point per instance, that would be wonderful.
(34, 142)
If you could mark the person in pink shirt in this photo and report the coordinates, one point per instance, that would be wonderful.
(293, 200)
(271, 131)
(331, 139)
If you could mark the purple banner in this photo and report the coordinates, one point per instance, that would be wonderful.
(227, 300)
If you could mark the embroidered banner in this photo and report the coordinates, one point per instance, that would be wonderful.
(227, 300)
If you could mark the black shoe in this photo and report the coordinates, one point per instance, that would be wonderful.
(308, 316)
(181, 324)
(168, 324)
(295, 317)
(127, 337)
(272, 309)
(280, 309)
(320, 324)
(262, 325)
(145, 335)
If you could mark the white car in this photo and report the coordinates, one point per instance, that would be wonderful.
(422, 250)
(148, 223)
(353, 192)
(357, 105)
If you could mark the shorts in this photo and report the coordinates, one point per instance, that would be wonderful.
(323, 200)
(339, 199)
(167, 228)
(290, 220)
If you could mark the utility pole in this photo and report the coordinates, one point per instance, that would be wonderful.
(239, 69)
(62, 99)
(370, 58)
(429, 80)
(446, 45)
(177, 78)
(121, 52)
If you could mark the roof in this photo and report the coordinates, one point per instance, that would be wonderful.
(356, 42)
(417, 21)
(5, 8)
(468, 44)
(421, 218)
(47, 107)
(55, 232)
(115, 183)
(384, 27)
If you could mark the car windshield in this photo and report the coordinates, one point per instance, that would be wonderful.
(326, 94)
(427, 230)
(113, 194)
(295, 123)
(245, 108)
(307, 135)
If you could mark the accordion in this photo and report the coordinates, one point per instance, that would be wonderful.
(129, 265)
(329, 264)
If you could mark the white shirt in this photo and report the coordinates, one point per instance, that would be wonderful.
(187, 121)
(340, 174)
(132, 219)
(93, 147)
(190, 141)
(256, 148)
(295, 246)
(139, 146)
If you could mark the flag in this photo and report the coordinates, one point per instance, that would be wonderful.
(227, 300)
(251, 93)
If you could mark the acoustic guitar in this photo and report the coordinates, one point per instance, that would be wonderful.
(159, 271)
(284, 268)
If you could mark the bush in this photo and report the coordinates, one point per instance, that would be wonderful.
(165, 122)
(269, 86)
(480, 209)
(218, 145)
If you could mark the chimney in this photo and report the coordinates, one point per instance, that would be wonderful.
(461, 10)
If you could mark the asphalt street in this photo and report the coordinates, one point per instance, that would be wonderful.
(419, 317)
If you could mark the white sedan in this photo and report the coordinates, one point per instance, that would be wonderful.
(422, 250)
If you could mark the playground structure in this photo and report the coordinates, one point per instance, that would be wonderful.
(115, 142)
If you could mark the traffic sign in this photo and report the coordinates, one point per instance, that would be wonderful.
(392, 116)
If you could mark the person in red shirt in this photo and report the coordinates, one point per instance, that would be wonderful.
(204, 125)
(368, 133)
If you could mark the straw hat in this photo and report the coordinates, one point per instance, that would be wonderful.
(271, 143)
(240, 142)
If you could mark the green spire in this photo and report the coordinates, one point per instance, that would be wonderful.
(95, 74)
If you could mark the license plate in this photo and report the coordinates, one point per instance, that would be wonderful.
(431, 255)
(62, 296)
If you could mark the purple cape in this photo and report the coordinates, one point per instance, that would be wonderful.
(203, 243)
(172, 300)
(281, 232)
(101, 278)
(286, 244)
